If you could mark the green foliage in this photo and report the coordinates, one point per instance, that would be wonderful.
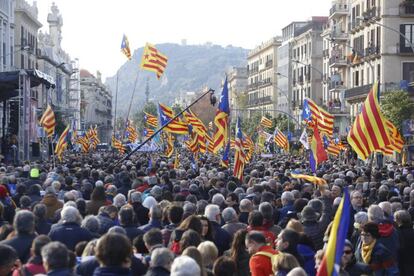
(138, 117)
(249, 126)
(281, 122)
(397, 107)
(177, 108)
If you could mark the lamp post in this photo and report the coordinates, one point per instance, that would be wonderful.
(287, 98)
(310, 66)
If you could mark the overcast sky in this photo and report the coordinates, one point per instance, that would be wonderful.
(92, 29)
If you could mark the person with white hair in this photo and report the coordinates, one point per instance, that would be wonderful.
(232, 224)
(218, 199)
(222, 238)
(161, 261)
(185, 266)
(246, 206)
(119, 200)
(287, 202)
(69, 231)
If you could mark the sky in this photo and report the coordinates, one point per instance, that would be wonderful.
(92, 29)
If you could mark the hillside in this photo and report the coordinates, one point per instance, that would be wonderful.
(190, 68)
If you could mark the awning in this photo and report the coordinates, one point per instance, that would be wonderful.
(9, 82)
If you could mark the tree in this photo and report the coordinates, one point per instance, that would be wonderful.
(397, 107)
(281, 122)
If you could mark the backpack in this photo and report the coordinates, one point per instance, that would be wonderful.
(273, 257)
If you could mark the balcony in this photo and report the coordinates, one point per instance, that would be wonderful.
(260, 101)
(339, 35)
(336, 86)
(269, 63)
(265, 82)
(338, 10)
(372, 13)
(253, 86)
(407, 9)
(354, 26)
(337, 62)
(325, 53)
(253, 71)
(372, 52)
(360, 91)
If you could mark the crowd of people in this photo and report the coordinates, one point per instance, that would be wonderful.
(89, 216)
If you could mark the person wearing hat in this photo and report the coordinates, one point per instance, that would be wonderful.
(350, 264)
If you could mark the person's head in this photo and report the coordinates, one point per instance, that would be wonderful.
(162, 257)
(189, 238)
(98, 194)
(114, 250)
(209, 252)
(39, 211)
(356, 199)
(90, 248)
(38, 243)
(126, 215)
(55, 255)
(297, 271)
(175, 214)
(369, 233)
(155, 212)
(375, 214)
(8, 258)
(192, 222)
(238, 245)
(295, 225)
(185, 266)
(193, 252)
(255, 219)
(212, 212)
(224, 266)
(254, 240)
(285, 262)
(119, 200)
(91, 223)
(152, 238)
(287, 240)
(318, 258)
(348, 253)
(24, 222)
(386, 208)
(70, 214)
(266, 209)
(229, 215)
(287, 198)
(403, 218)
(360, 219)
(246, 205)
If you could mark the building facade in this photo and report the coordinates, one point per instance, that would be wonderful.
(7, 41)
(306, 70)
(262, 78)
(96, 105)
(237, 84)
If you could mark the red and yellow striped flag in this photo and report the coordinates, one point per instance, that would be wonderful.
(169, 149)
(281, 140)
(125, 47)
(117, 144)
(151, 120)
(222, 120)
(176, 126)
(239, 155)
(333, 149)
(62, 143)
(369, 132)
(320, 117)
(130, 132)
(48, 121)
(153, 60)
(265, 122)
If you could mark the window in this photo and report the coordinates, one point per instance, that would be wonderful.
(362, 77)
(4, 54)
(11, 56)
(408, 71)
(407, 30)
(379, 72)
(22, 61)
(356, 78)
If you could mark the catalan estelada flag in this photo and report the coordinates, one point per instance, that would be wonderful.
(84, 142)
(317, 152)
(150, 120)
(130, 132)
(176, 126)
(125, 47)
(239, 156)
(249, 147)
(369, 132)
(197, 125)
(281, 139)
(117, 144)
(48, 121)
(313, 114)
(148, 132)
(397, 142)
(62, 143)
(309, 178)
(331, 261)
(265, 122)
(169, 145)
(225, 159)
(222, 120)
(153, 60)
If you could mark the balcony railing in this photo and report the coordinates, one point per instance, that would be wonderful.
(338, 61)
(372, 50)
(252, 71)
(260, 101)
(339, 9)
(339, 35)
(253, 86)
(335, 85)
(357, 91)
(371, 13)
(407, 8)
(325, 53)
(269, 63)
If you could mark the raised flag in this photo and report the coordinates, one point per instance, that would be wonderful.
(309, 178)
(331, 261)
(266, 122)
(369, 132)
(153, 60)
(150, 120)
(147, 133)
(117, 144)
(313, 114)
(225, 159)
(169, 148)
(177, 161)
(304, 139)
(333, 148)
(176, 126)
(281, 140)
(222, 120)
(48, 122)
(317, 153)
(249, 147)
(125, 47)
(62, 143)
(239, 156)
(130, 132)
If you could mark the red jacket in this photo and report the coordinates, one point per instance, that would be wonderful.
(262, 265)
(270, 237)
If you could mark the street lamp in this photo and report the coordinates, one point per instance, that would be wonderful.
(365, 19)
(310, 66)
(286, 96)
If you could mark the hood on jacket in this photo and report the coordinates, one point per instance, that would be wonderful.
(385, 229)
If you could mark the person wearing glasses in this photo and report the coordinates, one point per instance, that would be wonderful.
(350, 264)
(373, 253)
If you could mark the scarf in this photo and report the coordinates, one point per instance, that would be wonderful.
(366, 251)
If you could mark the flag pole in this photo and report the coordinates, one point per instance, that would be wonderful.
(130, 103)
(210, 91)
(53, 153)
(116, 101)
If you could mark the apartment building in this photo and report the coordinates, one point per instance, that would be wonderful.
(262, 78)
(237, 83)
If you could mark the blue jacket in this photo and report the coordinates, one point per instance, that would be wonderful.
(69, 234)
(22, 244)
(222, 238)
(150, 225)
(308, 256)
(60, 272)
(285, 210)
(112, 271)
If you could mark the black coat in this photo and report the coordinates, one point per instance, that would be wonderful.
(112, 271)
(88, 267)
(43, 227)
(222, 238)
(69, 234)
(405, 260)
(22, 244)
(157, 271)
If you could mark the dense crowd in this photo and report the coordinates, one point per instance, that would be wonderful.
(88, 216)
